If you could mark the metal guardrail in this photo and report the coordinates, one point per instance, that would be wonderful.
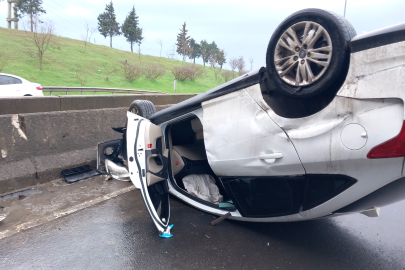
(96, 89)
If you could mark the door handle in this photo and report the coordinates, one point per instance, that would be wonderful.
(271, 158)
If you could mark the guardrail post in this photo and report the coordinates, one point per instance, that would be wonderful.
(66, 92)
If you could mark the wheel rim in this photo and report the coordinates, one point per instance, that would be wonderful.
(303, 53)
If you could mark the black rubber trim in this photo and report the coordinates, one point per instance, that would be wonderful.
(140, 177)
(304, 207)
(194, 103)
(225, 183)
(378, 38)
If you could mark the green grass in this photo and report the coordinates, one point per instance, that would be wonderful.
(59, 66)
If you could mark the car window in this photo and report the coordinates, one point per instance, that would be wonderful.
(17, 81)
(9, 80)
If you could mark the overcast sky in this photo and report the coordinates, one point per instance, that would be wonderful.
(241, 28)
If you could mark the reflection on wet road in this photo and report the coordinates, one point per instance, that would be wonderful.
(119, 234)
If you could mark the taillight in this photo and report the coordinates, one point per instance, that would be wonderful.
(39, 87)
(392, 148)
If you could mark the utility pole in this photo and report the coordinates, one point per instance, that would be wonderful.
(9, 18)
(344, 13)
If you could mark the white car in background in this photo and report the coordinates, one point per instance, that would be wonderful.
(14, 86)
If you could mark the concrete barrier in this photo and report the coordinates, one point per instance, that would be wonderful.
(67, 103)
(35, 147)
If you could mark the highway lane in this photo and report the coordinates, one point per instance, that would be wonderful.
(119, 234)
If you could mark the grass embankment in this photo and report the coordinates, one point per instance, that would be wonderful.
(60, 65)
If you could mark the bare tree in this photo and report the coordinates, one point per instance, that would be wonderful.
(234, 64)
(108, 71)
(159, 41)
(85, 36)
(80, 76)
(213, 64)
(139, 52)
(251, 63)
(92, 30)
(42, 37)
(241, 66)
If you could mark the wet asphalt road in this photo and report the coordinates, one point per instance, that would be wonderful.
(119, 234)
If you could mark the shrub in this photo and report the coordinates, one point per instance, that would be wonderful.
(227, 75)
(191, 72)
(180, 73)
(242, 72)
(196, 72)
(108, 72)
(153, 72)
(131, 72)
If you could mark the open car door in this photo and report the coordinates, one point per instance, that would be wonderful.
(147, 164)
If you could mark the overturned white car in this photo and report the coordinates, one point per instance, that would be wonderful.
(317, 133)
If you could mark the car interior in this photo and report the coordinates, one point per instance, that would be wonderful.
(188, 156)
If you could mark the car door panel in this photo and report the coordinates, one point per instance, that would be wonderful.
(242, 140)
(146, 172)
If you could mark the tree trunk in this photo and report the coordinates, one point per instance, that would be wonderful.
(40, 62)
(194, 60)
(111, 41)
(131, 48)
(32, 29)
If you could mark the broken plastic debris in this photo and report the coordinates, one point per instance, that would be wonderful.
(218, 220)
(78, 173)
(166, 233)
(2, 217)
(227, 204)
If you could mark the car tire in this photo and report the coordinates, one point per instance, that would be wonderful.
(295, 60)
(143, 108)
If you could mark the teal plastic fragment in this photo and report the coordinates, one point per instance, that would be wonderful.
(227, 204)
(167, 234)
